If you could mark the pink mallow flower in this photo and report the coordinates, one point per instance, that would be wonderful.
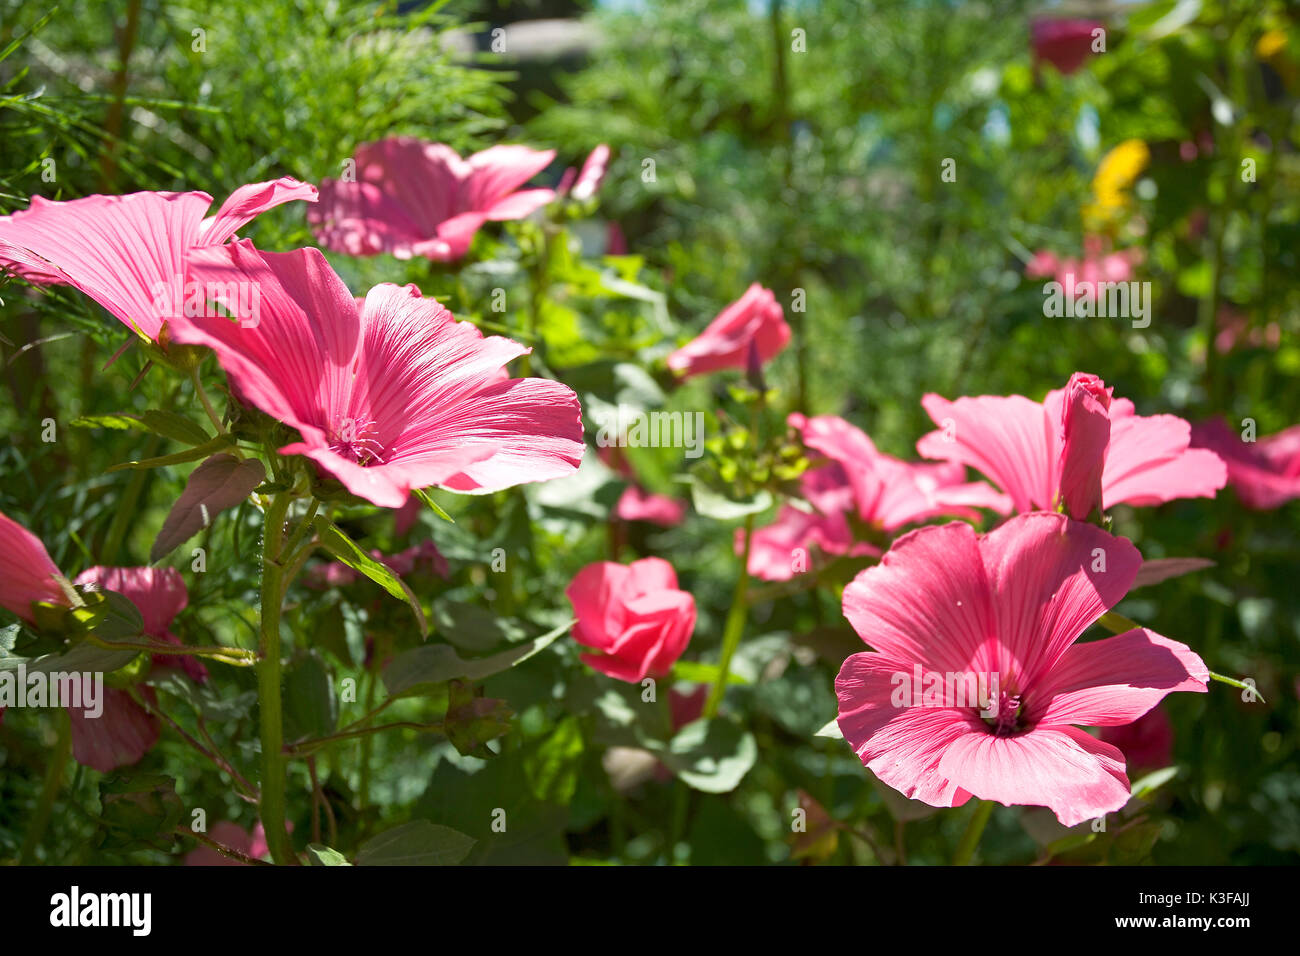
(129, 252)
(633, 616)
(888, 492)
(1025, 447)
(789, 545)
(1065, 44)
(756, 317)
(1265, 473)
(389, 396)
(125, 731)
(412, 198)
(1080, 278)
(1002, 613)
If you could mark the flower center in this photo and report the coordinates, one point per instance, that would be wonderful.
(357, 439)
(1007, 722)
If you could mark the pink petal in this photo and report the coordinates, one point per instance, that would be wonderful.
(755, 317)
(1149, 462)
(296, 363)
(1116, 680)
(158, 593)
(1065, 769)
(27, 573)
(903, 746)
(927, 601)
(122, 251)
(118, 737)
(1048, 586)
(1007, 438)
(248, 202)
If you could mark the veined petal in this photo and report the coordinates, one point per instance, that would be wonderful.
(1065, 769)
(248, 202)
(1116, 680)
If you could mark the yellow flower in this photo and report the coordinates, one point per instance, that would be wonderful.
(1118, 171)
(1270, 44)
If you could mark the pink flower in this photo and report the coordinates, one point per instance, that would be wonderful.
(125, 731)
(1079, 278)
(1019, 444)
(589, 179)
(235, 837)
(122, 733)
(412, 198)
(1264, 473)
(1065, 44)
(26, 572)
(637, 504)
(159, 594)
(890, 493)
(784, 548)
(633, 616)
(390, 396)
(953, 612)
(755, 317)
(129, 253)
(1147, 743)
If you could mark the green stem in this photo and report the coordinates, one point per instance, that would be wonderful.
(50, 791)
(734, 628)
(974, 830)
(268, 686)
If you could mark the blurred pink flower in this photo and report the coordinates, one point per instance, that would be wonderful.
(27, 573)
(756, 317)
(1007, 610)
(392, 396)
(637, 504)
(235, 837)
(129, 253)
(888, 492)
(1019, 445)
(587, 182)
(413, 198)
(1097, 265)
(1065, 44)
(1147, 743)
(1234, 330)
(125, 731)
(633, 616)
(1265, 473)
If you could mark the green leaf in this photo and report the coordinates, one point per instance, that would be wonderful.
(320, 855)
(710, 754)
(412, 670)
(472, 719)
(831, 729)
(221, 482)
(333, 540)
(419, 843)
(552, 769)
(473, 628)
(1153, 781)
(310, 705)
(138, 807)
(174, 426)
(206, 450)
(428, 500)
